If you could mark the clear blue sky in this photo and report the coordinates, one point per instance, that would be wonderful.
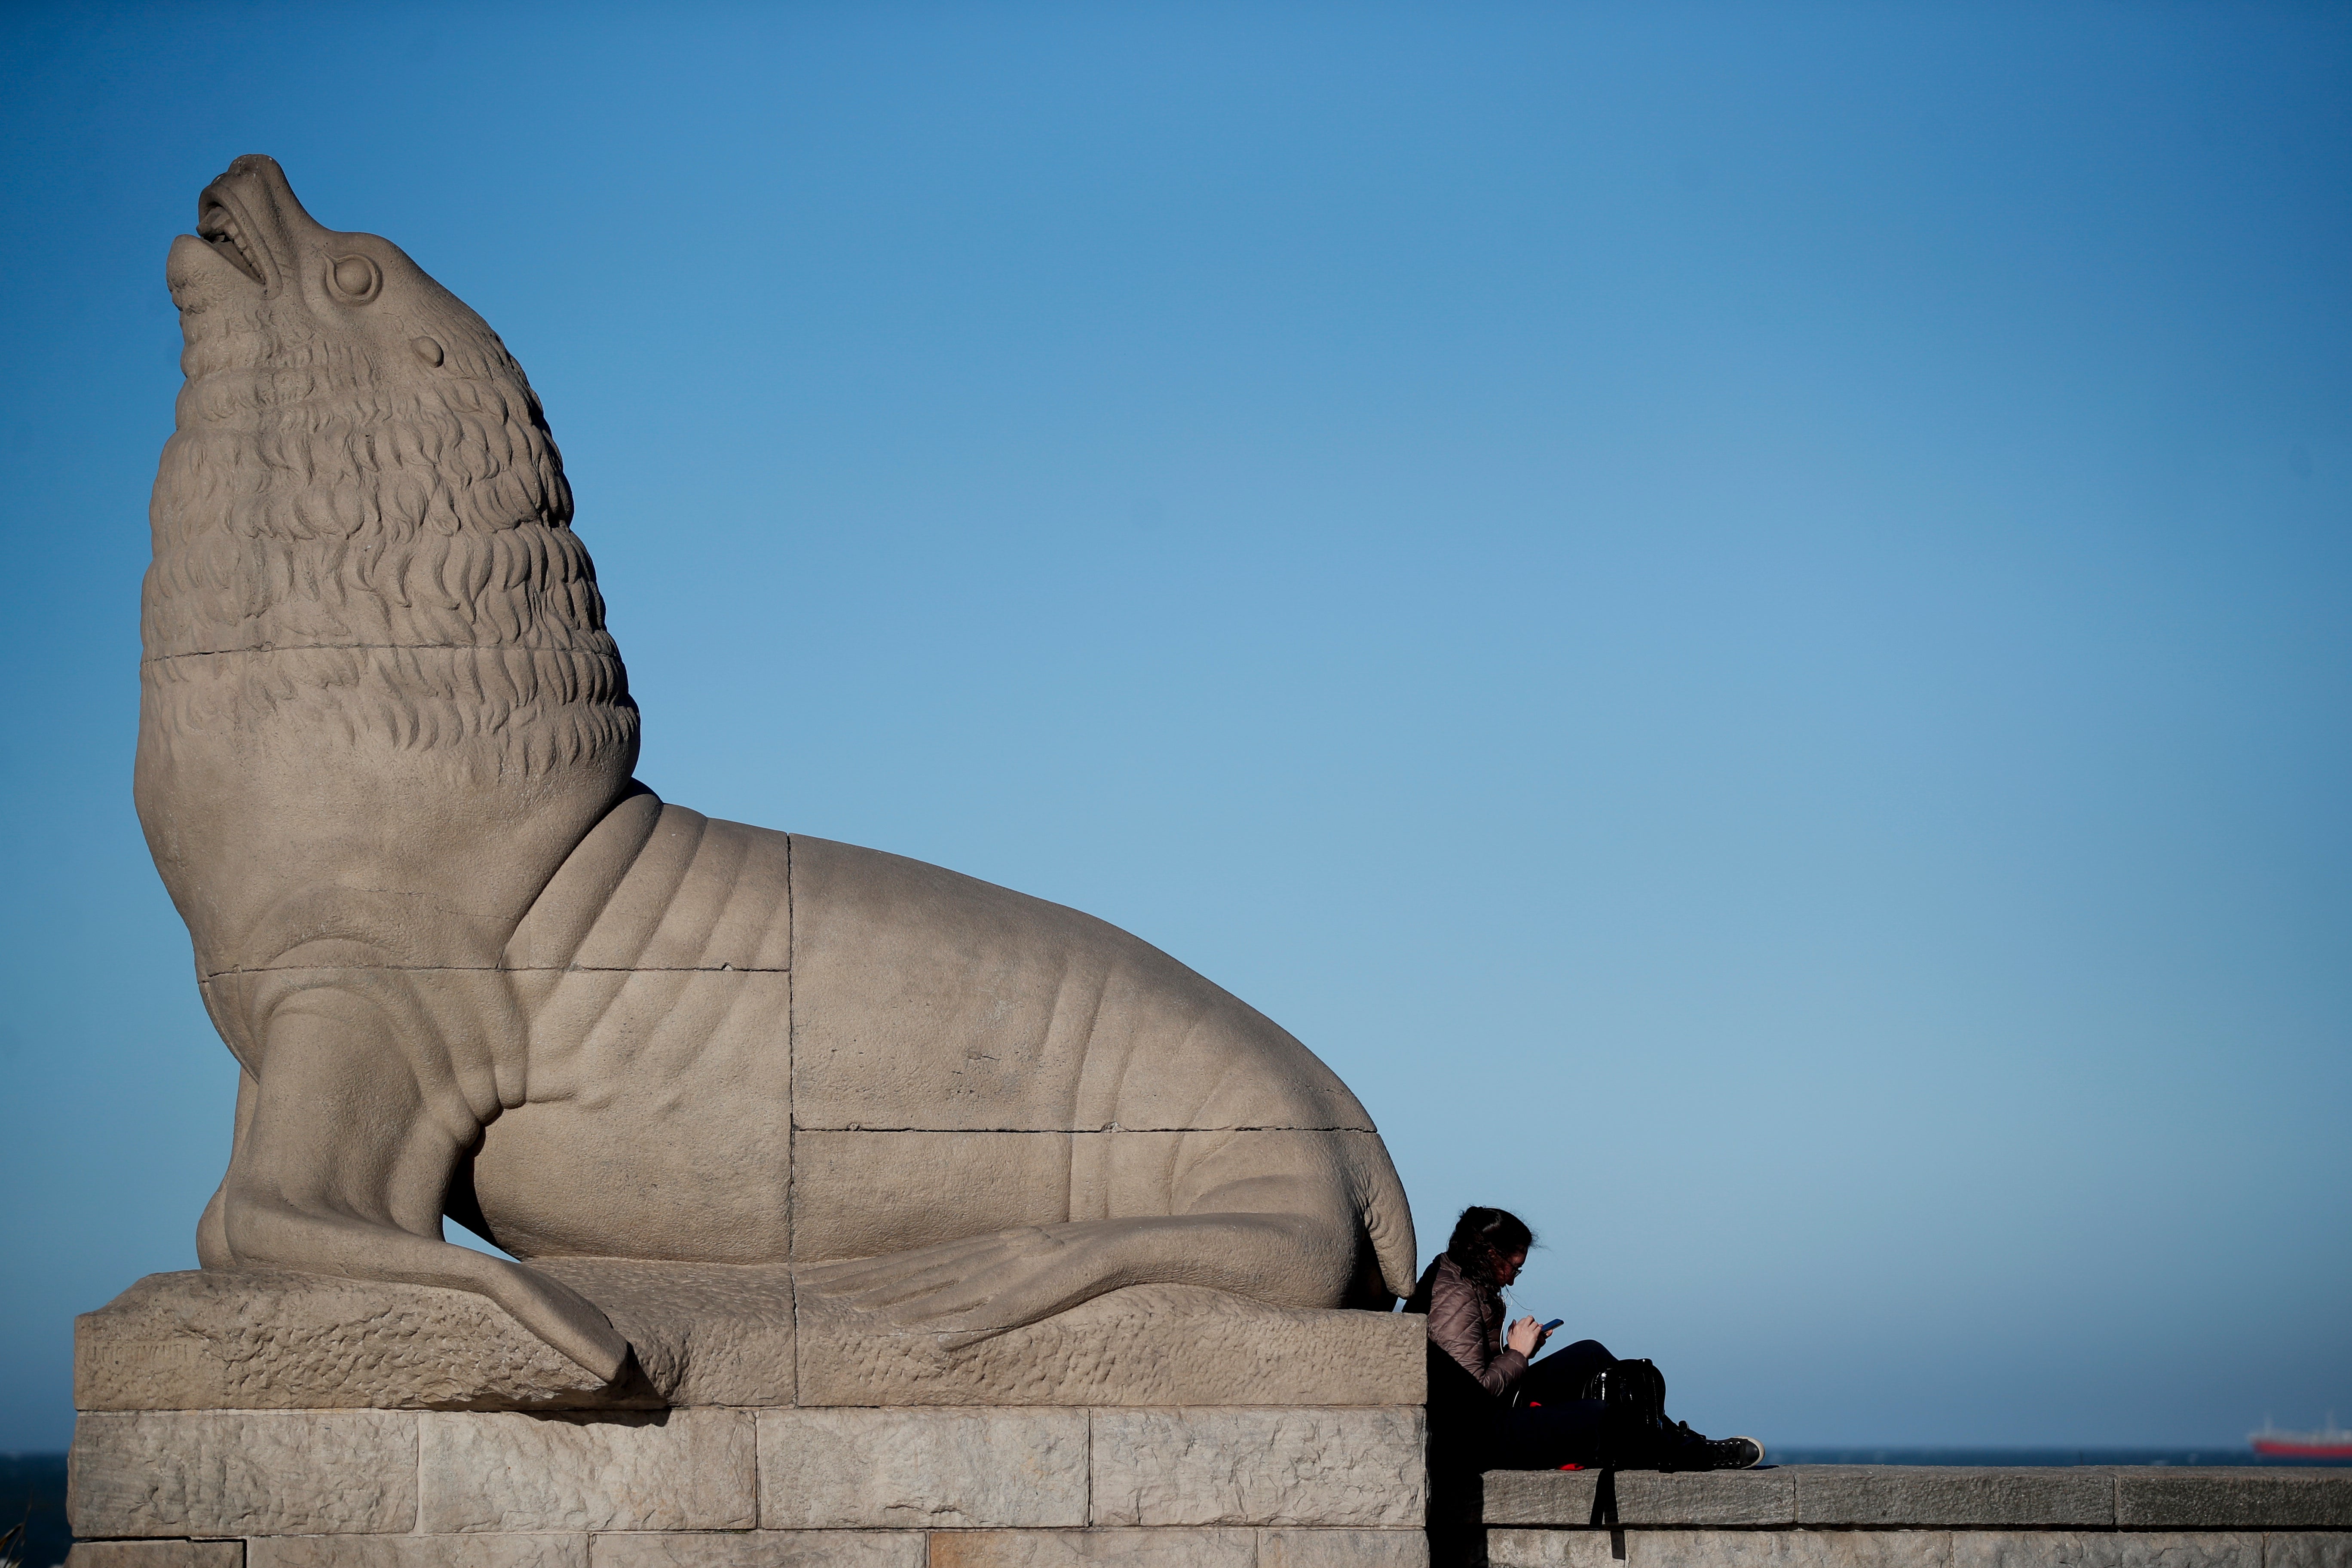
(1738, 613)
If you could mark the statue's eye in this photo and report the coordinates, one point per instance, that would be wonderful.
(354, 280)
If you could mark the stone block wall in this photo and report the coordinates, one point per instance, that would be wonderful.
(734, 1489)
(186, 1454)
(1905, 1516)
(288, 1420)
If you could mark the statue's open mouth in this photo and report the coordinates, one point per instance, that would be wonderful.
(217, 226)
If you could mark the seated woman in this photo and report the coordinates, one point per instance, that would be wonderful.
(1492, 1407)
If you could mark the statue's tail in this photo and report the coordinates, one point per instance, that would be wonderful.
(1382, 1208)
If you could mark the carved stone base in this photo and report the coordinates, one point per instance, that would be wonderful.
(708, 1334)
(186, 1454)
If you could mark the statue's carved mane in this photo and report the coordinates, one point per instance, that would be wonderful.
(386, 549)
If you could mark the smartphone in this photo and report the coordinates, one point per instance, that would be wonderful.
(1553, 1324)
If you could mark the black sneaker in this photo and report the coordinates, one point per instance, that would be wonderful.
(1733, 1453)
(1689, 1450)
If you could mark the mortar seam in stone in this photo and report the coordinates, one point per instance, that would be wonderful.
(1069, 1132)
(792, 1126)
(376, 648)
(496, 969)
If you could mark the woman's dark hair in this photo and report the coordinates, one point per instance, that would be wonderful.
(1482, 1238)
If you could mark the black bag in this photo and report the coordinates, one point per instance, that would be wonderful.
(1636, 1393)
(1633, 1398)
(1638, 1434)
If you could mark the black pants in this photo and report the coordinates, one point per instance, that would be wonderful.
(1547, 1423)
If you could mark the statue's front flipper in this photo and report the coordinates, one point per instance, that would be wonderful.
(341, 1160)
(986, 1284)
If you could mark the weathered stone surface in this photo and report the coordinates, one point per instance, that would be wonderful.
(1512, 1547)
(1803, 1548)
(709, 1334)
(237, 1472)
(1091, 1547)
(156, 1554)
(1917, 1495)
(2307, 1549)
(1924, 1497)
(704, 1334)
(1342, 1549)
(2234, 1498)
(858, 1194)
(680, 1469)
(765, 1549)
(552, 1551)
(1516, 1548)
(553, 1175)
(274, 1339)
(1242, 1466)
(960, 1468)
(2103, 1549)
(1147, 1344)
(1564, 1498)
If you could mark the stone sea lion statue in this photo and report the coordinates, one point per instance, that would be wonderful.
(469, 967)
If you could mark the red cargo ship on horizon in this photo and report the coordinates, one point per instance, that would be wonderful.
(2332, 1443)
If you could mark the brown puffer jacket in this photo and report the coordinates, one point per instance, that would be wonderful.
(1466, 1321)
